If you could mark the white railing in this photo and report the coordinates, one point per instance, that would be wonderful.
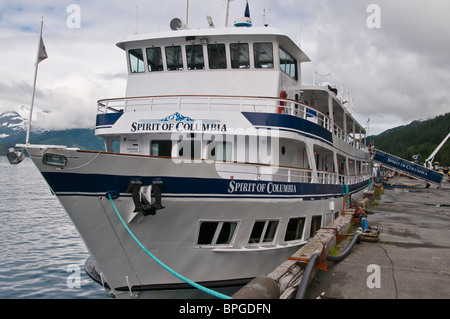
(241, 171)
(225, 103)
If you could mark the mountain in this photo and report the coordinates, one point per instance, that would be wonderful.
(13, 129)
(418, 137)
(12, 124)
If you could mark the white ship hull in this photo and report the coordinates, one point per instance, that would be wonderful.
(190, 193)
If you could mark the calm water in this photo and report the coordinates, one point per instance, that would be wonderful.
(38, 240)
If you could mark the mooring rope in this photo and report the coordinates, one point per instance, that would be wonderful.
(190, 282)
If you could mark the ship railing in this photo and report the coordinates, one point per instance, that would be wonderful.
(353, 179)
(224, 103)
(326, 177)
(285, 174)
(252, 171)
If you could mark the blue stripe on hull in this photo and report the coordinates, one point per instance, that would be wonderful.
(290, 123)
(86, 184)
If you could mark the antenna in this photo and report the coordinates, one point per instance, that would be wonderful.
(264, 15)
(187, 12)
(136, 25)
(227, 12)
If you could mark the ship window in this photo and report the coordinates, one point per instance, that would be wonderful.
(154, 59)
(220, 151)
(263, 232)
(54, 160)
(174, 58)
(189, 148)
(161, 148)
(217, 56)
(136, 60)
(239, 56)
(263, 53)
(294, 229)
(316, 223)
(194, 56)
(288, 64)
(216, 233)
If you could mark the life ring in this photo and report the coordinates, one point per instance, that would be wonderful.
(283, 95)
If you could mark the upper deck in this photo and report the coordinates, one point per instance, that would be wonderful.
(213, 61)
(221, 70)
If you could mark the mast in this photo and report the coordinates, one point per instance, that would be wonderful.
(40, 56)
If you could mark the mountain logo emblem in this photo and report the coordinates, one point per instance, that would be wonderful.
(177, 117)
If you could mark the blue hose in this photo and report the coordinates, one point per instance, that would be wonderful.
(364, 221)
(190, 282)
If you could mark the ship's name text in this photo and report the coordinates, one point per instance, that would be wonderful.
(254, 187)
(179, 127)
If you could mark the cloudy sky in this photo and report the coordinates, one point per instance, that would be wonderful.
(393, 57)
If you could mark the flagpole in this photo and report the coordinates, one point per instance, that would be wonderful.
(34, 83)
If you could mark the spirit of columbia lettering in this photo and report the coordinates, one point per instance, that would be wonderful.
(259, 187)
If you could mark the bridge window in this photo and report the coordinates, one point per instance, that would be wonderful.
(217, 56)
(240, 56)
(154, 59)
(263, 53)
(194, 56)
(174, 58)
(288, 64)
(136, 60)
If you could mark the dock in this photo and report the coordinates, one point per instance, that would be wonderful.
(413, 252)
(409, 260)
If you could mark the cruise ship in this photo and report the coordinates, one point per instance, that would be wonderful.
(219, 163)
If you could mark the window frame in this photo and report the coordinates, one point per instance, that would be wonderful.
(188, 52)
(221, 64)
(288, 58)
(217, 233)
(264, 232)
(265, 64)
(139, 59)
(240, 65)
(180, 65)
(297, 230)
(221, 147)
(161, 60)
(159, 143)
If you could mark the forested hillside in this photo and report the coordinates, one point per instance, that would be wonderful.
(419, 137)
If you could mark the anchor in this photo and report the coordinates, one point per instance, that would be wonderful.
(15, 157)
(142, 196)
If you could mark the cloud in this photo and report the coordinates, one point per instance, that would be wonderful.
(395, 74)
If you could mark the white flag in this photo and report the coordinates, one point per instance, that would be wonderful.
(42, 52)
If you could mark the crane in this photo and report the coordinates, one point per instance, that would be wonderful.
(429, 161)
